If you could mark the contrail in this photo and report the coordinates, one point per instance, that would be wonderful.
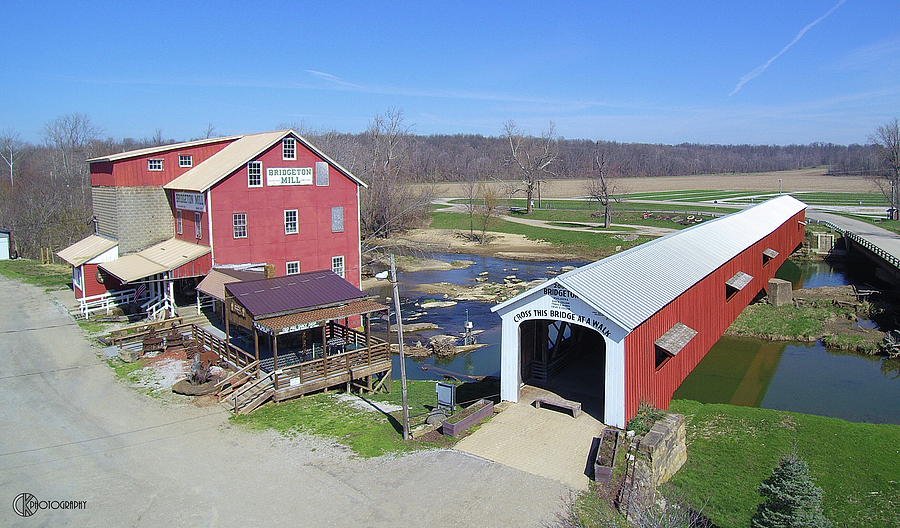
(756, 72)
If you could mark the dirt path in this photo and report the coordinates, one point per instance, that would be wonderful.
(72, 432)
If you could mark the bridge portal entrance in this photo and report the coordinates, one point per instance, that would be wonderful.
(565, 358)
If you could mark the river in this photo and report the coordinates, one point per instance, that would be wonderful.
(802, 377)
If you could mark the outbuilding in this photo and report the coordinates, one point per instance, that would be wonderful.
(6, 249)
(631, 327)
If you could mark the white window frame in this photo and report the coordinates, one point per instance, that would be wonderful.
(185, 160)
(151, 165)
(287, 267)
(339, 263)
(288, 144)
(198, 225)
(78, 277)
(235, 225)
(179, 222)
(296, 222)
(252, 167)
(343, 219)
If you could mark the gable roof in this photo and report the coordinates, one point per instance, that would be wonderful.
(293, 293)
(631, 286)
(86, 249)
(214, 282)
(161, 148)
(234, 156)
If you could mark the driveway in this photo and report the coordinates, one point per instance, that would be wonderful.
(71, 431)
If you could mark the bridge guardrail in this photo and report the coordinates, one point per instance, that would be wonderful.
(882, 254)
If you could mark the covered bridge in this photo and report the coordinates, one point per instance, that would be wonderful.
(631, 327)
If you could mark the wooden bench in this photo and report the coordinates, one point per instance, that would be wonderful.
(559, 403)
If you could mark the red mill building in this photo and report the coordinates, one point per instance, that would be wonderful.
(168, 215)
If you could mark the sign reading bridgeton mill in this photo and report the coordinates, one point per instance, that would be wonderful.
(190, 201)
(558, 303)
(289, 176)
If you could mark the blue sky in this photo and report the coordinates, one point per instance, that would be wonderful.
(720, 72)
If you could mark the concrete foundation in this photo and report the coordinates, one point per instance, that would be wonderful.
(779, 292)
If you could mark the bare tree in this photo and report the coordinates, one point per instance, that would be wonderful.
(70, 140)
(490, 205)
(886, 140)
(11, 150)
(534, 157)
(601, 186)
(210, 131)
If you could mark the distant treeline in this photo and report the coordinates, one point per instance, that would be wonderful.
(440, 158)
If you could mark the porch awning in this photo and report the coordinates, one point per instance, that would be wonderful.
(739, 281)
(159, 258)
(214, 282)
(86, 249)
(673, 341)
(284, 324)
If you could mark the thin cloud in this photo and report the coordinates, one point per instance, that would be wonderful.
(334, 79)
(756, 72)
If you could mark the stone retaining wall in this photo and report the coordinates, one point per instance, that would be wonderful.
(662, 451)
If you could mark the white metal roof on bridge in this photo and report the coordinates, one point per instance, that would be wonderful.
(631, 286)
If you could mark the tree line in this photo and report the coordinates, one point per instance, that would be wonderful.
(45, 193)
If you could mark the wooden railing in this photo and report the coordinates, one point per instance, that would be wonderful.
(236, 355)
(319, 370)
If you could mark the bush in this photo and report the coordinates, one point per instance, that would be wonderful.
(647, 416)
(792, 499)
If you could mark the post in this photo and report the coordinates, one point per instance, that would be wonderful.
(367, 323)
(275, 359)
(399, 317)
(256, 342)
(171, 292)
(227, 309)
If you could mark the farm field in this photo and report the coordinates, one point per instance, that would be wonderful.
(814, 179)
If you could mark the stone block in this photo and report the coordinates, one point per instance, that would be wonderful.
(779, 292)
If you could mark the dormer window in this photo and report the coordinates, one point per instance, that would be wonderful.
(155, 165)
(289, 148)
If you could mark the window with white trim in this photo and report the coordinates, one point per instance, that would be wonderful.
(321, 174)
(155, 165)
(198, 225)
(77, 276)
(289, 148)
(239, 222)
(293, 267)
(179, 222)
(254, 174)
(185, 160)
(291, 222)
(337, 219)
(337, 265)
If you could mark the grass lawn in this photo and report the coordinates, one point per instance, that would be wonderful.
(786, 322)
(126, 371)
(367, 433)
(591, 205)
(619, 216)
(732, 449)
(595, 244)
(48, 276)
(890, 225)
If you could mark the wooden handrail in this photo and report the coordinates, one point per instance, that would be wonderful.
(242, 371)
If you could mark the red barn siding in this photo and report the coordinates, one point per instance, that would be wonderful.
(195, 268)
(266, 241)
(133, 172)
(704, 308)
(91, 285)
(188, 234)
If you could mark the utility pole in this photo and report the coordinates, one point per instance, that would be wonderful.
(399, 318)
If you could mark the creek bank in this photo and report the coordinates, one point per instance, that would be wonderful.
(481, 291)
(834, 314)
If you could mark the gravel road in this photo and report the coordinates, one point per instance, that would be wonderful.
(71, 431)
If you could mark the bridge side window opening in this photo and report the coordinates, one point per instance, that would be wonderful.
(768, 256)
(198, 225)
(337, 265)
(239, 225)
(291, 222)
(289, 149)
(738, 282)
(292, 267)
(155, 165)
(672, 342)
(179, 222)
(254, 174)
(185, 160)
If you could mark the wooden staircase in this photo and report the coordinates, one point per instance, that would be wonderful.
(247, 389)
